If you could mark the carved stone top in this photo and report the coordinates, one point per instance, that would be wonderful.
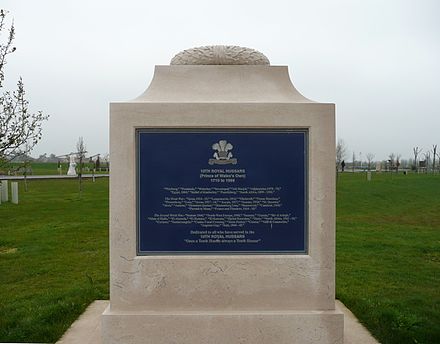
(220, 55)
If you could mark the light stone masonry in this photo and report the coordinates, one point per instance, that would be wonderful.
(200, 299)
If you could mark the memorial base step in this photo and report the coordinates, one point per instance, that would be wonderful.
(281, 327)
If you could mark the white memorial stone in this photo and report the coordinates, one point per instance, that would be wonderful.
(222, 298)
(5, 191)
(369, 176)
(14, 192)
(378, 166)
(72, 166)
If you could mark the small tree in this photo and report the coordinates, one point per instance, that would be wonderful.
(397, 162)
(107, 162)
(81, 154)
(353, 161)
(427, 156)
(94, 162)
(341, 151)
(370, 157)
(416, 151)
(391, 161)
(26, 167)
(97, 163)
(20, 130)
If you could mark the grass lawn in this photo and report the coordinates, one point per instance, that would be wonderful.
(54, 256)
(48, 168)
(388, 254)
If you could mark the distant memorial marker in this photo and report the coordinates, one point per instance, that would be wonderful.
(5, 191)
(14, 192)
(222, 207)
(72, 166)
(369, 176)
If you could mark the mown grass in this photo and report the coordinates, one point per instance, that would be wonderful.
(388, 254)
(45, 168)
(53, 258)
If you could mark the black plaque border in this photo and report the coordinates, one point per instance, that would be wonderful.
(138, 131)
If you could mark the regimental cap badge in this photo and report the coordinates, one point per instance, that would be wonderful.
(222, 156)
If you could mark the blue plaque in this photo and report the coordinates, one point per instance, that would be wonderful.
(241, 191)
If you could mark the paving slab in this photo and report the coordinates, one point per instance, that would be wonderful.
(354, 331)
(87, 329)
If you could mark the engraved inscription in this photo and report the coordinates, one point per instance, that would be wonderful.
(246, 196)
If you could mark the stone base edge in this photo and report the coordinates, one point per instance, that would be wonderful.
(296, 327)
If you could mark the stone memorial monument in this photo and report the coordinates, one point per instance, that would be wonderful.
(72, 165)
(222, 207)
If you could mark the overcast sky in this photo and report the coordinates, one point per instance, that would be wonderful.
(379, 61)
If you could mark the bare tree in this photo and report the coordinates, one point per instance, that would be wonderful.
(20, 130)
(341, 152)
(391, 161)
(95, 163)
(370, 157)
(353, 161)
(416, 151)
(107, 162)
(26, 167)
(434, 153)
(397, 162)
(427, 156)
(81, 154)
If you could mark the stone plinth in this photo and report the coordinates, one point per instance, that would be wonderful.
(233, 298)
